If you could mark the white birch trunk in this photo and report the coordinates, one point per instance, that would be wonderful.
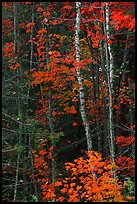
(109, 66)
(81, 89)
(110, 56)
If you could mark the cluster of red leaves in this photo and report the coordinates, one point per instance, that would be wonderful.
(126, 165)
(121, 20)
(8, 49)
(42, 158)
(90, 180)
(8, 52)
(8, 5)
(125, 141)
(6, 26)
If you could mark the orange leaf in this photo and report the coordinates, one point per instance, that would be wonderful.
(73, 110)
(30, 24)
(58, 183)
(72, 184)
(63, 190)
(61, 198)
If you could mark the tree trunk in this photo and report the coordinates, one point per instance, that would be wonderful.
(22, 138)
(18, 105)
(37, 194)
(109, 67)
(79, 78)
(104, 101)
(131, 116)
(51, 125)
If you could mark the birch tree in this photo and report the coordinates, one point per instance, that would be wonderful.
(79, 78)
(109, 70)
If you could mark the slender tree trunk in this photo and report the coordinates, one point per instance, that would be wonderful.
(15, 48)
(109, 67)
(16, 178)
(117, 116)
(79, 78)
(104, 102)
(131, 116)
(99, 135)
(37, 194)
(27, 99)
(51, 125)
(21, 154)
(53, 164)
(31, 36)
(18, 101)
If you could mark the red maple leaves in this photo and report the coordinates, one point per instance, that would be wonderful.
(125, 141)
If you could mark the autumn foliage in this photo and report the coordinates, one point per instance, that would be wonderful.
(88, 179)
(42, 160)
(42, 102)
(125, 163)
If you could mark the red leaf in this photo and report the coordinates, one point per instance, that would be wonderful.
(132, 127)
(109, 42)
(67, 7)
(40, 9)
(116, 106)
(42, 152)
(103, 4)
(75, 124)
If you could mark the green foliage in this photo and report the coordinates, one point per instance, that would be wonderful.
(129, 188)
(34, 198)
(56, 136)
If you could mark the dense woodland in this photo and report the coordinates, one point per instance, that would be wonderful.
(68, 101)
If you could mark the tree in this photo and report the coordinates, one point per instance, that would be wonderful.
(79, 77)
(68, 85)
(109, 67)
